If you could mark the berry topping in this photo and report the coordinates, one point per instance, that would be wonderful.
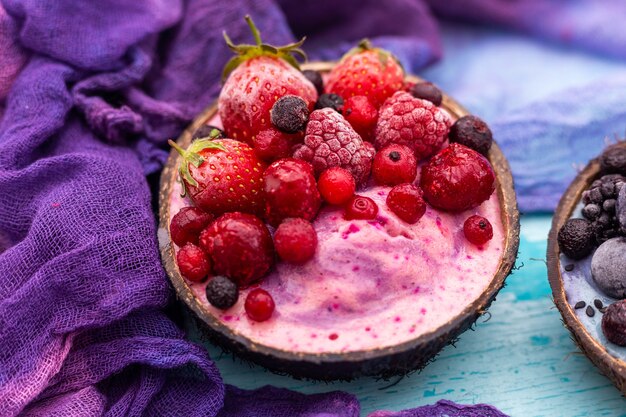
(295, 240)
(259, 305)
(336, 185)
(361, 208)
(600, 202)
(240, 247)
(406, 201)
(193, 262)
(222, 293)
(614, 323)
(256, 78)
(290, 114)
(426, 91)
(379, 74)
(620, 209)
(613, 159)
(208, 131)
(187, 224)
(222, 175)
(290, 191)
(414, 122)
(362, 115)
(457, 179)
(330, 141)
(316, 79)
(332, 101)
(272, 144)
(576, 238)
(473, 133)
(477, 230)
(394, 164)
(608, 265)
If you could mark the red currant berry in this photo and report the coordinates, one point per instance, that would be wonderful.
(187, 224)
(361, 208)
(394, 164)
(362, 115)
(259, 305)
(477, 230)
(193, 262)
(406, 201)
(295, 240)
(336, 185)
(272, 144)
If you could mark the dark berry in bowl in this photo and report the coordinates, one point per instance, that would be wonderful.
(427, 91)
(608, 267)
(472, 132)
(316, 79)
(334, 101)
(221, 292)
(477, 230)
(620, 210)
(613, 159)
(600, 206)
(290, 114)
(576, 238)
(614, 323)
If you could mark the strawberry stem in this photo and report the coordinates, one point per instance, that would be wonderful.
(254, 30)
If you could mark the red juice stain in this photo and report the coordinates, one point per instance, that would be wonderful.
(423, 311)
(353, 228)
(313, 336)
(397, 319)
(227, 318)
(333, 336)
(412, 329)
(355, 268)
(469, 257)
(367, 329)
(335, 306)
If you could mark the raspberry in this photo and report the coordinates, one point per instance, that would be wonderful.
(330, 141)
(222, 293)
(362, 115)
(576, 238)
(187, 224)
(295, 240)
(316, 79)
(332, 101)
(240, 247)
(193, 262)
(259, 305)
(272, 144)
(414, 122)
(361, 208)
(614, 323)
(406, 201)
(472, 132)
(290, 114)
(394, 164)
(336, 185)
(290, 191)
(457, 179)
(426, 91)
(477, 230)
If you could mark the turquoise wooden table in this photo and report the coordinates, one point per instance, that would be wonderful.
(522, 360)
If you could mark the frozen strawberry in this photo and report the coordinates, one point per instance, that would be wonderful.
(256, 78)
(413, 122)
(362, 116)
(222, 175)
(366, 71)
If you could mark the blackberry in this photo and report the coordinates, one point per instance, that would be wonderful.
(333, 101)
(316, 79)
(614, 323)
(613, 159)
(290, 114)
(208, 131)
(576, 238)
(600, 202)
(221, 292)
(472, 132)
(427, 91)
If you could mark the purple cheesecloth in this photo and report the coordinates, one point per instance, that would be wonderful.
(90, 91)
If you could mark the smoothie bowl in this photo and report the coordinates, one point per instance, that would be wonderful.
(379, 234)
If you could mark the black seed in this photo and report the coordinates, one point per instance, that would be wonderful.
(290, 114)
(427, 91)
(598, 303)
(316, 79)
(579, 305)
(208, 131)
(603, 310)
(333, 101)
(221, 292)
(569, 267)
(590, 311)
(394, 156)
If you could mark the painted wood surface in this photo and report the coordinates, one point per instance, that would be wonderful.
(521, 360)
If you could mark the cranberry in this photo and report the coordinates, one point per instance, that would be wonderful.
(272, 144)
(361, 114)
(394, 164)
(187, 224)
(336, 185)
(457, 179)
(240, 247)
(406, 201)
(259, 305)
(361, 208)
(193, 262)
(477, 230)
(295, 240)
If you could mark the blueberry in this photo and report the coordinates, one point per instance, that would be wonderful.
(221, 292)
(609, 206)
(427, 91)
(608, 267)
(290, 114)
(333, 101)
(591, 211)
(614, 323)
(472, 132)
(316, 79)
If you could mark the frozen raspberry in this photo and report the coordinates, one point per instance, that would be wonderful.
(426, 91)
(614, 323)
(394, 164)
(259, 305)
(406, 201)
(222, 293)
(361, 208)
(332, 101)
(472, 132)
(290, 191)
(330, 141)
(457, 179)
(290, 114)
(477, 230)
(414, 122)
(316, 79)
(187, 224)
(240, 247)
(272, 144)
(362, 115)
(193, 262)
(336, 185)
(295, 240)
